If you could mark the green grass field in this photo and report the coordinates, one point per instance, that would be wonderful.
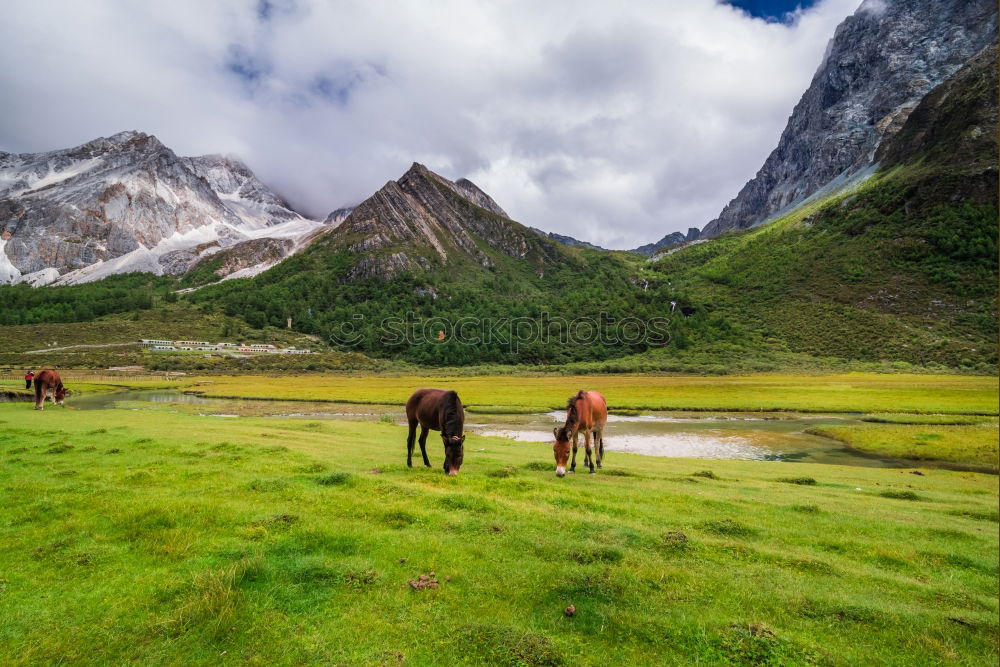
(972, 444)
(160, 538)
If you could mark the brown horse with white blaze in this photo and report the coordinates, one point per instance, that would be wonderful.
(586, 412)
(44, 382)
(439, 410)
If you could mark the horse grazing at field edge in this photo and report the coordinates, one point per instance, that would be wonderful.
(439, 410)
(587, 411)
(45, 381)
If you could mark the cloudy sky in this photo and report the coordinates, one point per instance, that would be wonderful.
(612, 122)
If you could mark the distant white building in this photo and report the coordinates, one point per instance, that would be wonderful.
(164, 347)
(147, 342)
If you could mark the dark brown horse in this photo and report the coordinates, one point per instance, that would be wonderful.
(48, 380)
(442, 411)
(586, 412)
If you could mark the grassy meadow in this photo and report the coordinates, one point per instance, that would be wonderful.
(168, 538)
(850, 392)
(961, 443)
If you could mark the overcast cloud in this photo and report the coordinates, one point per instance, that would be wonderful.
(612, 122)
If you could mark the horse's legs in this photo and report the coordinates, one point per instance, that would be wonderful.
(40, 392)
(590, 453)
(572, 467)
(423, 444)
(599, 444)
(410, 438)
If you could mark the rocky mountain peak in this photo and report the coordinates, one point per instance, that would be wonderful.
(124, 203)
(423, 220)
(880, 63)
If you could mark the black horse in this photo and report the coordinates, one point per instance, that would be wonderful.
(442, 411)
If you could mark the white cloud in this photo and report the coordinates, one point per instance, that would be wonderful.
(615, 124)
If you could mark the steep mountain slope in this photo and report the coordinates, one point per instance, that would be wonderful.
(241, 191)
(128, 203)
(904, 268)
(880, 63)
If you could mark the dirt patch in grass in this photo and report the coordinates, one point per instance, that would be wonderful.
(58, 448)
(424, 581)
(707, 474)
(506, 471)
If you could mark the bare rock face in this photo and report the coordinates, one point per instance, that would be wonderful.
(880, 63)
(338, 216)
(471, 191)
(240, 190)
(263, 252)
(431, 221)
(955, 124)
(127, 203)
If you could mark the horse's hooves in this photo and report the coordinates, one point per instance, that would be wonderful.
(592, 471)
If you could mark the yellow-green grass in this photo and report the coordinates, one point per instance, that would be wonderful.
(17, 387)
(937, 420)
(970, 444)
(853, 392)
(160, 538)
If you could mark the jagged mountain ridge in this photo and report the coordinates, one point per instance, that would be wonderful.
(567, 240)
(128, 203)
(674, 239)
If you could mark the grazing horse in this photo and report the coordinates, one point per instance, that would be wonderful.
(45, 381)
(442, 411)
(586, 411)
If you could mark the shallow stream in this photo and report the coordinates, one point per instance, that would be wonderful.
(717, 435)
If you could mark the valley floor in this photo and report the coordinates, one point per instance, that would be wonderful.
(164, 538)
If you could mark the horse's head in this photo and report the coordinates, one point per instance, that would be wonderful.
(60, 394)
(561, 449)
(454, 451)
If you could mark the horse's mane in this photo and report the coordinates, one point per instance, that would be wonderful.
(451, 407)
(572, 416)
(571, 402)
